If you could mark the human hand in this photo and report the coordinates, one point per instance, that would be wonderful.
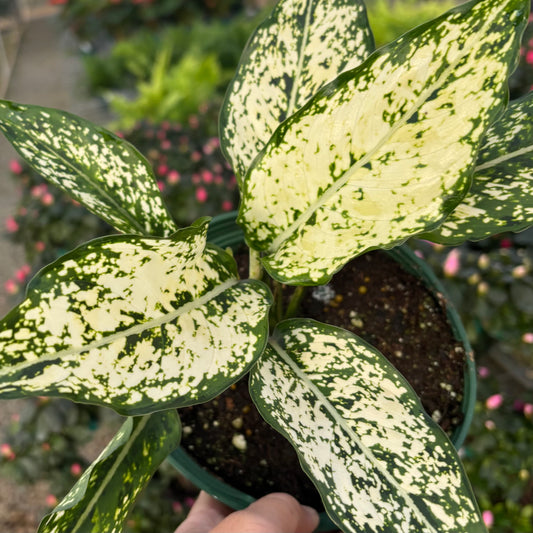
(274, 513)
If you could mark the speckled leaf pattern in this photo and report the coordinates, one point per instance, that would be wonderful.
(501, 197)
(105, 493)
(135, 323)
(379, 461)
(385, 151)
(303, 45)
(100, 170)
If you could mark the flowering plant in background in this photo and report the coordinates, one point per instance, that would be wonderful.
(48, 441)
(497, 454)
(491, 285)
(521, 82)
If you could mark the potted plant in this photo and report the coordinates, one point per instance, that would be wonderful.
(338, 150)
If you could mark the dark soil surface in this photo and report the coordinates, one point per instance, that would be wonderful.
(374, 298)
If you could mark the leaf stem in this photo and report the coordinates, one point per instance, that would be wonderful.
(294, 302)
(255, 268)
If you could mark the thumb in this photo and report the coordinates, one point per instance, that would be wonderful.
(274, 513)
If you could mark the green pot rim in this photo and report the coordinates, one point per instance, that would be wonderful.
(224, 232)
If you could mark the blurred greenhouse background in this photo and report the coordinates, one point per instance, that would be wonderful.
(155, 72)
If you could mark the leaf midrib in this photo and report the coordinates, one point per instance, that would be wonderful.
(111, 472)
(342, 423)
(139, 328)
(340, 183)
(502, 159)
(291, 107)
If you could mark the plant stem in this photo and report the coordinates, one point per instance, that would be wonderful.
(255, 268)
(295, 301)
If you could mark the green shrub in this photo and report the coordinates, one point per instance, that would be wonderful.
(391, 18)
(173, 92)
(91, 18)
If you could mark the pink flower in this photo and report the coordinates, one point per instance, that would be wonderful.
(40, 246)
(196, 156)
(227, 205)
(38, 190)
(51, 500)
(529, 57)
(76, 469)
(166, 145)
(20, 275)
(47, 199)
(519, 272)
(527, 338)
(161, 186)
(173, 176)
(201, 195)
(207, 176)
(189, 501)
(494, 402)
(452, 263)
(11, 287)
(11, 225)
(177, 507)
(483, 372)
(506, 243)
(6, 452)
(15, 166)
(490, 425)
(488, 518)
(162, 170)
(528, 410)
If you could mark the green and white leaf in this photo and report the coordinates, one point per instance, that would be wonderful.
(385, 151)
(378, 460)
(501, 197)
(136, 324)
(105, 493)
(302, 45)
(100, 170)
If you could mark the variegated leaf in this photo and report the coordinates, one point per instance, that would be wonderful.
(137, 324)
(378, 460)
(303, 45)
(385, 151)
(100, 170)
(501, 197)
(105, 493)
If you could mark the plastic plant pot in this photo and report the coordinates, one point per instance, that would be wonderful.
(224, 232)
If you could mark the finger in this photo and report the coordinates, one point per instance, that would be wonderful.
(204, 515)
(274, 513)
